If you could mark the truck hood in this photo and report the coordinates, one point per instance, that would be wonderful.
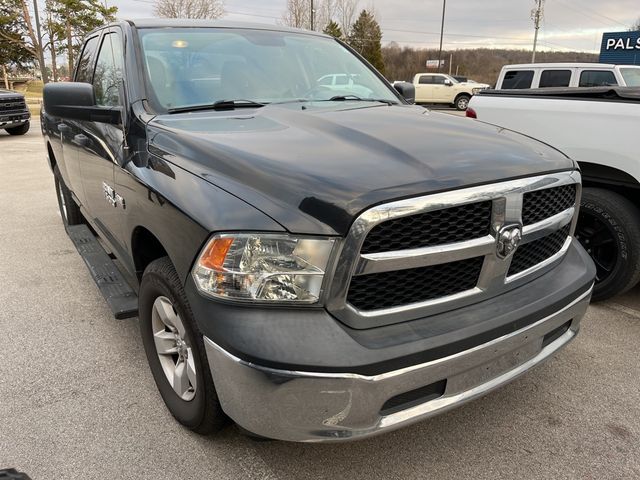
(314, 167)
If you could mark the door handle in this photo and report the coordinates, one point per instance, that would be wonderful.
(81, 140)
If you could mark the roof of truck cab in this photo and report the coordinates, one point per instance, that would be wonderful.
(567, 65)
(191, 23)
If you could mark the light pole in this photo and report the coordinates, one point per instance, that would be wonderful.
(312, 15)
(536, 15)
(444, 8)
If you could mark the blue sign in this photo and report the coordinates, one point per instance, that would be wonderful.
(620, 48)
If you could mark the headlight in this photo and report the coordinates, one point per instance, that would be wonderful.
(263, 267)
(475, 91)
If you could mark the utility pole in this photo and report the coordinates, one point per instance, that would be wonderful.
(444, 8)
(312, 16)
(536, 16)
(40, 47)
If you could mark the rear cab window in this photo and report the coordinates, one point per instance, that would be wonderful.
(555, 78)
(597, 78)
(517, 79)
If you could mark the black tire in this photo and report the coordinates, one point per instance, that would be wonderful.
(609, 229)
(462, 102)
(69, 210)
(19, 130)
(203, 413)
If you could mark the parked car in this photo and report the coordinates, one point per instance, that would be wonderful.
(341, 82)
(547, 75)
(439, 88)
(14, 114)
(597, 127)
(315, 266)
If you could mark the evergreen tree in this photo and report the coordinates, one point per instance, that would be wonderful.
(14, 51)
(71, 20)
(333, 29)
(366, 39)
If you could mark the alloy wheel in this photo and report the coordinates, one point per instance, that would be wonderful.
(173, 348)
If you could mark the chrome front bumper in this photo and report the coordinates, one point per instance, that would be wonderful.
(315, 407)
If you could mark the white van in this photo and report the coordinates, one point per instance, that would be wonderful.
(541, 75)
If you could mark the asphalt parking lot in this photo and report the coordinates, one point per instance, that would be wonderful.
(77, 400)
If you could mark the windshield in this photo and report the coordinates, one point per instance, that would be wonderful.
(631, 76)
(199, 66)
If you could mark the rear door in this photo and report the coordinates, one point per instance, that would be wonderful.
(424, 93)
(102, 144)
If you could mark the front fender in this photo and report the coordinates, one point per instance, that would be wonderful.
(181, 210)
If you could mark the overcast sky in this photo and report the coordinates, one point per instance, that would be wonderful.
(567, 24)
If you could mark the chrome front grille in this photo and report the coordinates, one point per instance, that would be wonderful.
(380, 290)
(439, 252)
(428, 229)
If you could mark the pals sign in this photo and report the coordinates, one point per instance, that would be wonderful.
(621, 48)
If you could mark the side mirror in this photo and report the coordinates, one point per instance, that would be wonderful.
(407, 90)
(77, 101)
(448, 82)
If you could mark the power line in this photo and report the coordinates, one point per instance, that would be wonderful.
(594, 13)
(594, 16)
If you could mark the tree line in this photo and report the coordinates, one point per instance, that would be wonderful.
(482, 65)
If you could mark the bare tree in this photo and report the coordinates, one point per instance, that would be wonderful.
(346, 11)
(325, 11)
(636, 26)
(204, 9)
(297, 14)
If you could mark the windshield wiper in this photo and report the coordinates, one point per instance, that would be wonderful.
(343, 98)
(219, 105)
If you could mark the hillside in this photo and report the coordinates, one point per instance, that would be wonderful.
(483, 65)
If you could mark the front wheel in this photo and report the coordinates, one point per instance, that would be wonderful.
(609, 230)
(175, 350)
(19, 130)
(462, 102)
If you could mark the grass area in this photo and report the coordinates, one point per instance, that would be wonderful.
(32, 90)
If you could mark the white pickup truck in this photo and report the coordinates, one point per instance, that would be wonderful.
(598, 128)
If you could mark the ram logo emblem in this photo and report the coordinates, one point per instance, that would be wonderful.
(509, 238)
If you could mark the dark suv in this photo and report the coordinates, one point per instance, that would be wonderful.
(14, 114)
(315, 263)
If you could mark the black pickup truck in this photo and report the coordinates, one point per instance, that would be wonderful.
(315, 261)
(14, 114)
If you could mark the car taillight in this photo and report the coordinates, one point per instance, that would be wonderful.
(471, 113)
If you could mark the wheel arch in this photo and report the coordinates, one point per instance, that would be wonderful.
(610, 178)
(145, 248)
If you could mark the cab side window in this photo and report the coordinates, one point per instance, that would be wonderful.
(517, 79)
(597, 78)
(555, 78)
(84, 70)
(426, 80)
(109, 70)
